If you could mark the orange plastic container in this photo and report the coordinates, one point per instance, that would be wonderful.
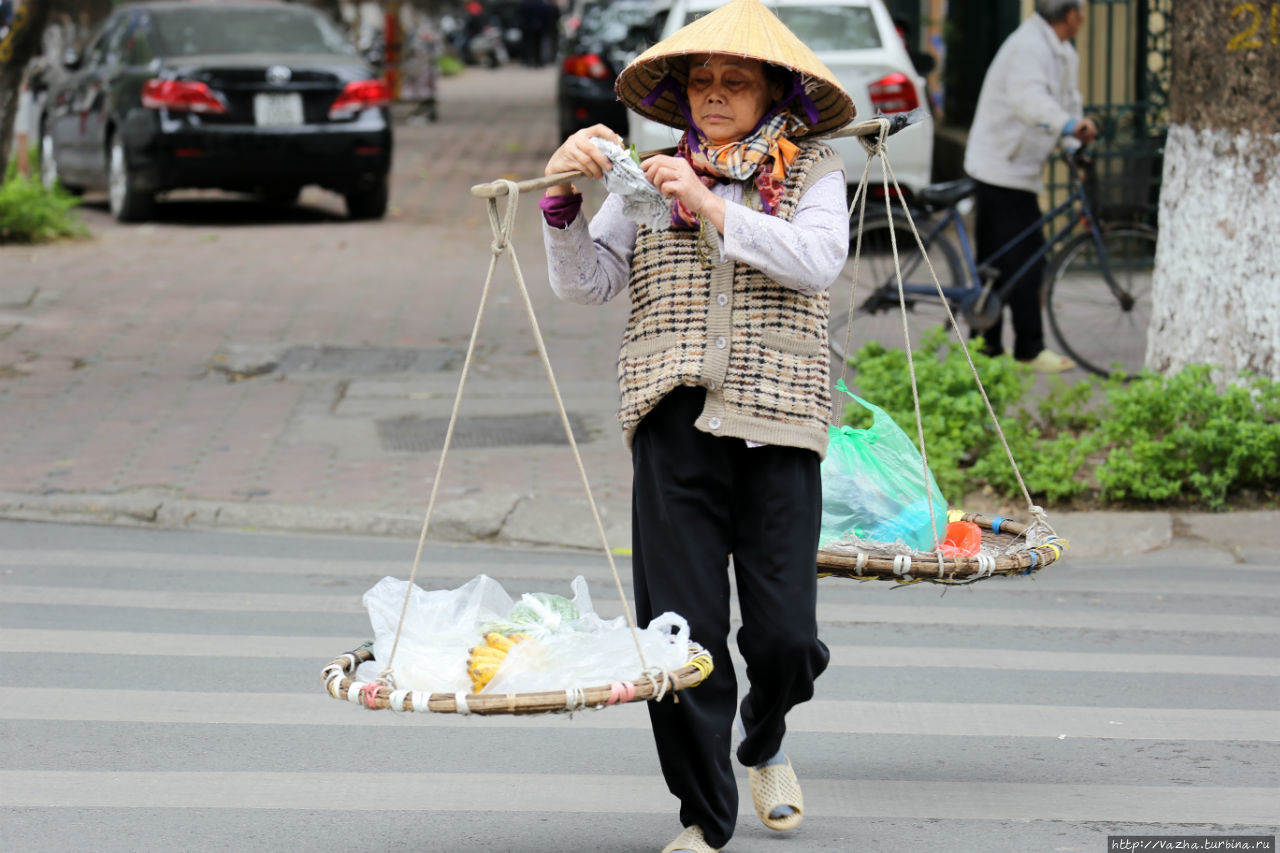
(963, 539)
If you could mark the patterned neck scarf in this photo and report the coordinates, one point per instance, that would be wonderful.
(763, 155)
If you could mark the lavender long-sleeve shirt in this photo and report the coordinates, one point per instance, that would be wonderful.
(591, 263)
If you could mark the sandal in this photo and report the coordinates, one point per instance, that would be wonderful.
(1048, 361)
(773, 786)
(690, 839)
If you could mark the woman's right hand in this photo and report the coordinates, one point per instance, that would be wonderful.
(579, 154)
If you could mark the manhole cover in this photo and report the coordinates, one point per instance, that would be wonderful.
(361, 360)
(423, 435)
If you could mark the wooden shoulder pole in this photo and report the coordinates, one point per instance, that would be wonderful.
(863, 128)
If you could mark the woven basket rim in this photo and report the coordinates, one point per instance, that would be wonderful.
(938, 569)
(339, 684)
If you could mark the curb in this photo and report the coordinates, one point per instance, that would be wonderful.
(513, 520)
(527, 520)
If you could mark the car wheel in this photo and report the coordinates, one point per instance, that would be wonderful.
(128, 204)
(368, 203)
(49, 165)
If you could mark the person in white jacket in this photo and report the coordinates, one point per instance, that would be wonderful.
(1028, 103)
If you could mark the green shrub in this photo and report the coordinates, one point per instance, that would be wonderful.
(957, 428)
(1181, 438)
(1156, 440)
(31, 214)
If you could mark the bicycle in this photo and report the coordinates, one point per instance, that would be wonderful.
(1096, 288)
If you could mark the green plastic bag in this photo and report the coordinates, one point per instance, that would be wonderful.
(873, 485)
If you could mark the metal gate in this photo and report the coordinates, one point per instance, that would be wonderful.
(1124, 62)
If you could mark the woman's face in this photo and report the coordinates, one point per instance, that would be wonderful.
(728, 95)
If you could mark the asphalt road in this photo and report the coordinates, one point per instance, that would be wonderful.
(163, 693)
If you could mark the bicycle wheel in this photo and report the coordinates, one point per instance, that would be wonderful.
(877, 315)
(1102, 321)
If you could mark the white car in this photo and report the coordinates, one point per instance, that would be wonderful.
(857, 40)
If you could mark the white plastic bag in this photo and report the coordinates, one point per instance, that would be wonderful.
(439, 627)
(575, 659)
(561, 652)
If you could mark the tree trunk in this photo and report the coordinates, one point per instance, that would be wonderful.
(1216, 293)
(16, 49)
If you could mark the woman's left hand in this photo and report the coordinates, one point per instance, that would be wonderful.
(675, 178)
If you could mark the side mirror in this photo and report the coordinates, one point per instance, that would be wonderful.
(70, 59)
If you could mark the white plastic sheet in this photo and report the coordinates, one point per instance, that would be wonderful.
(642, 202)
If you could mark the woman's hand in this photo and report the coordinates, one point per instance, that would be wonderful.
(579, 154)
(675, 178)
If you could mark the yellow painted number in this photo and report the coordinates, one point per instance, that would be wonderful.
(1249, 40)
(6, 47)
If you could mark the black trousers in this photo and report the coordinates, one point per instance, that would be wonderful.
(1001, 215)
(697, 499)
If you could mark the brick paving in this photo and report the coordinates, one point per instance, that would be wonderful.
(108, 384)
(114, 351)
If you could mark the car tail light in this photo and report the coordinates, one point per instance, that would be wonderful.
(181, 96)
(360, 95)
(894, 93)
(586, 65)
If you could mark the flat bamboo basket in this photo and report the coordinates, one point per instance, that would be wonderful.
(1002, 538)
(340, 685)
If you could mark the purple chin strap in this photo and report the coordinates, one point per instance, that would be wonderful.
(797, 95)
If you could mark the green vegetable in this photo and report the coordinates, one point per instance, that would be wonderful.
(527, 611)
(635, 155)
(537, 610)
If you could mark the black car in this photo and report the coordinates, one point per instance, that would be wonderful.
(258, 97)
(609, 34)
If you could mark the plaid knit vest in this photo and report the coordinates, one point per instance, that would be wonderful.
(758, 348)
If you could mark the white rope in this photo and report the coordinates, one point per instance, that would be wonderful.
(513, 191)
(574, 699)
(877, 148)
(460, 700)
(986, 565)
(501, 226)
(906, 335)
(859, 200)
(660, 687)
(499, 245)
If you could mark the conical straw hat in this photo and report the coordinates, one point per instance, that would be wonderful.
(742, 28)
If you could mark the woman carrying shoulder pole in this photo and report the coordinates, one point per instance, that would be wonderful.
(723, 371)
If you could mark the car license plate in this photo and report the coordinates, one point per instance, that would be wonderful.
(277, 110)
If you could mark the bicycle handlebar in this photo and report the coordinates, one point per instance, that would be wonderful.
(1080, 157)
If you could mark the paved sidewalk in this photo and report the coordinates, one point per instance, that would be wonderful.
(232, 365)
(118, 393)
